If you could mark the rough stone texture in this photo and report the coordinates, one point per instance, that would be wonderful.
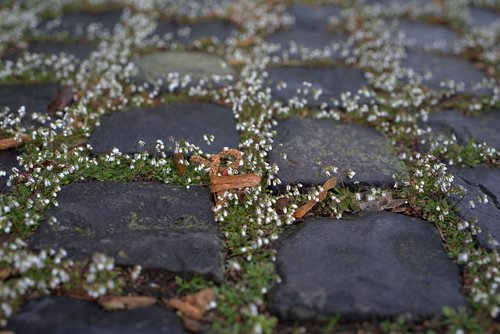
(375, 265)
(483, 17)
(480, 182)
(333, 81)
(218, 31)
(443, 68)
(313, 17)
(158, 65)
(34, 97)
(175, 121)
(8, 160)
(77, 23)
(311, 144)
(484, 127)
(61, 315)
(154, 225)
(420, 35)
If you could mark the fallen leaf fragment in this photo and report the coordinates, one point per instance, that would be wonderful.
(5, 273)
(111, 303)
(193, 306)
(63, 99)
(233, 182)
(282, 204)
(12, 142)
(304, 209)
(179, 163)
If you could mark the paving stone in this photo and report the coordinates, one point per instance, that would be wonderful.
(198, 65)
(480, 182)
(332, 81)
(8, 160)
(302, 38)
(370, 266)
(483, 17)
(421, 34)
(443, 68)
(78, 23)
(311, 144)
(313, 16)
(60, 315)
(157, 226)
(183, 121)
(219, 31)
(483, 127)
(34, 97)
(80, 50)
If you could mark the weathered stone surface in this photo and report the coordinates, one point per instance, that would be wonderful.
(34, 97)
(80, 50)
(301, 38)
(311, 144)
(158, 65)
(59, 315)
(443, 68)
(8, 160)
(480, 183)
(332, 81)
(154, 225)
(373, 265)
(188, 122)
(313, 17)
(79, 23)
(483, 17)
(484, 127)
(217, 31)
(421, 34)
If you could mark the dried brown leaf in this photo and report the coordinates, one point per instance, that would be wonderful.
(5, 273)
(111, 303)
(8, 143)
(304, 209)
(63, 99)
(233, 182)
(282, 204)
(193, 306)
(179, 159)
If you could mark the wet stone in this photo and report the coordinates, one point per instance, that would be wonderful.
(443, 68)
(157, 226)
(483, 127)
(480, 183)
(8, 160)
(481, 17)
(60, 315)
(198, 65)
(182, 121)
(332, 81)
(34, 97)
(420, 35)
(312, 16)
(216, 31)
(312, 144)
(370, 266)
(82, 23)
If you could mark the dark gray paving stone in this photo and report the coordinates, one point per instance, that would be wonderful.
(61, 315)
(313, 16)
(443, 68)
(421, 34)
(303, 38)
(218, 31)
(311, 144)
(8, 160)
(333, 81)
(480, 182)
(198, 65)
(77, 23)
(34, 97)
(370, 266)
(484, 127)
(482, 17)
(80, 50)
(188, 122)
(155, 225)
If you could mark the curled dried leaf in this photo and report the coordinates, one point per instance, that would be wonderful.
(304, 209)
(111, 303)
(12, 142)
(193, 306)
(179, 159)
